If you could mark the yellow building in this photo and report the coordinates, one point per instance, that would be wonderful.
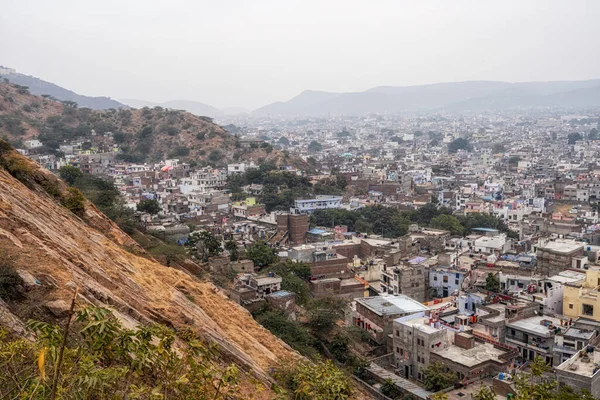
(582, 299)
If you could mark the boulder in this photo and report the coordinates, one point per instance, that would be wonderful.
(29, 281)
(59, 308)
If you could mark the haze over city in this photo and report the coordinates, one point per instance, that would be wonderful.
(248, 54)
(334, 200)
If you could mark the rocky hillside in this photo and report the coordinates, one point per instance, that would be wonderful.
(60, 251)
(144, 135)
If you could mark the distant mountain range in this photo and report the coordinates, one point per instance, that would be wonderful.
(40, 87)
(195, 107)
(458, 96)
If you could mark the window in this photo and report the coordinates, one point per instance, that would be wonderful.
(588, 309)
(397, 332)
(435, 277)
(570, 306)
(445, 279)
(397, 349)
(456, 281)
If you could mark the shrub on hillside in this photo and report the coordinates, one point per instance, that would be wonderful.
(74, 201)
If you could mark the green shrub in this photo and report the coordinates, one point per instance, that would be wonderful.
(74, 201)
(322, 380)
(104, 360)
(16, 165)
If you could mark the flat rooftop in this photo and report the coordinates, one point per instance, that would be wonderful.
(420, 323)
(390, 305)
(576, 365)
(471, 357)
(534, 325)
(567, 276)
(562, 246)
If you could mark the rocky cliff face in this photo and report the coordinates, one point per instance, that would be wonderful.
(60, 251)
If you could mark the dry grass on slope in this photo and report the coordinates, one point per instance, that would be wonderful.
(61, 249)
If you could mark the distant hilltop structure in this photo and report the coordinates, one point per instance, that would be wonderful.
(7, 71)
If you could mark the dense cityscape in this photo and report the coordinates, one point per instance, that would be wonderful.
(299, 200)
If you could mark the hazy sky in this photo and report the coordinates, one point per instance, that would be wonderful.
(250, 53)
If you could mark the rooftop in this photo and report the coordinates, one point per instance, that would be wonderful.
(471, 357)
(582, 366)
(562, 246)
(390, 305)
(538, 325)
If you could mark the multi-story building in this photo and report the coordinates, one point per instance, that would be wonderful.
(555, 256)
(582, 299)
(376, 315)
(421, 339)
(582, 371)
(534, 336)
(322, 202)
(443, 281)
(407, 278)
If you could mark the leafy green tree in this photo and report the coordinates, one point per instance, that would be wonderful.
(514, 160)
(539, 387)
(593, 134)
(149, 206)
(315, 146)
(389, 389)
(459, 144)
(324, 313)
(498, 148)
(203, 245)
(492, 283)
(574, 137)
(232, 247)
(485, 393)
(448, 223)
(320, 381)
(291, 332)
(74, 201)
(70, 174)
(261, 254)
(437, 378)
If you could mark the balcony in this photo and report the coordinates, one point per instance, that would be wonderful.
(565, 349)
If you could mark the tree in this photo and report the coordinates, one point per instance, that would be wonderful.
(324, 313)
(284, 141)
(514, 160)
(149, 206)
(389, 389)
(593, 135)
(459, 144)
(448, 223)
(439, 396)
(74, 201)
(539, 387)
(70, 174)
(320, 381)
(203, 245)
(498, 148)
(261, 254)
(232, 247)
(436, 377)
(485, 393)
(315, 146)
(492, 283)
(574, 137)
